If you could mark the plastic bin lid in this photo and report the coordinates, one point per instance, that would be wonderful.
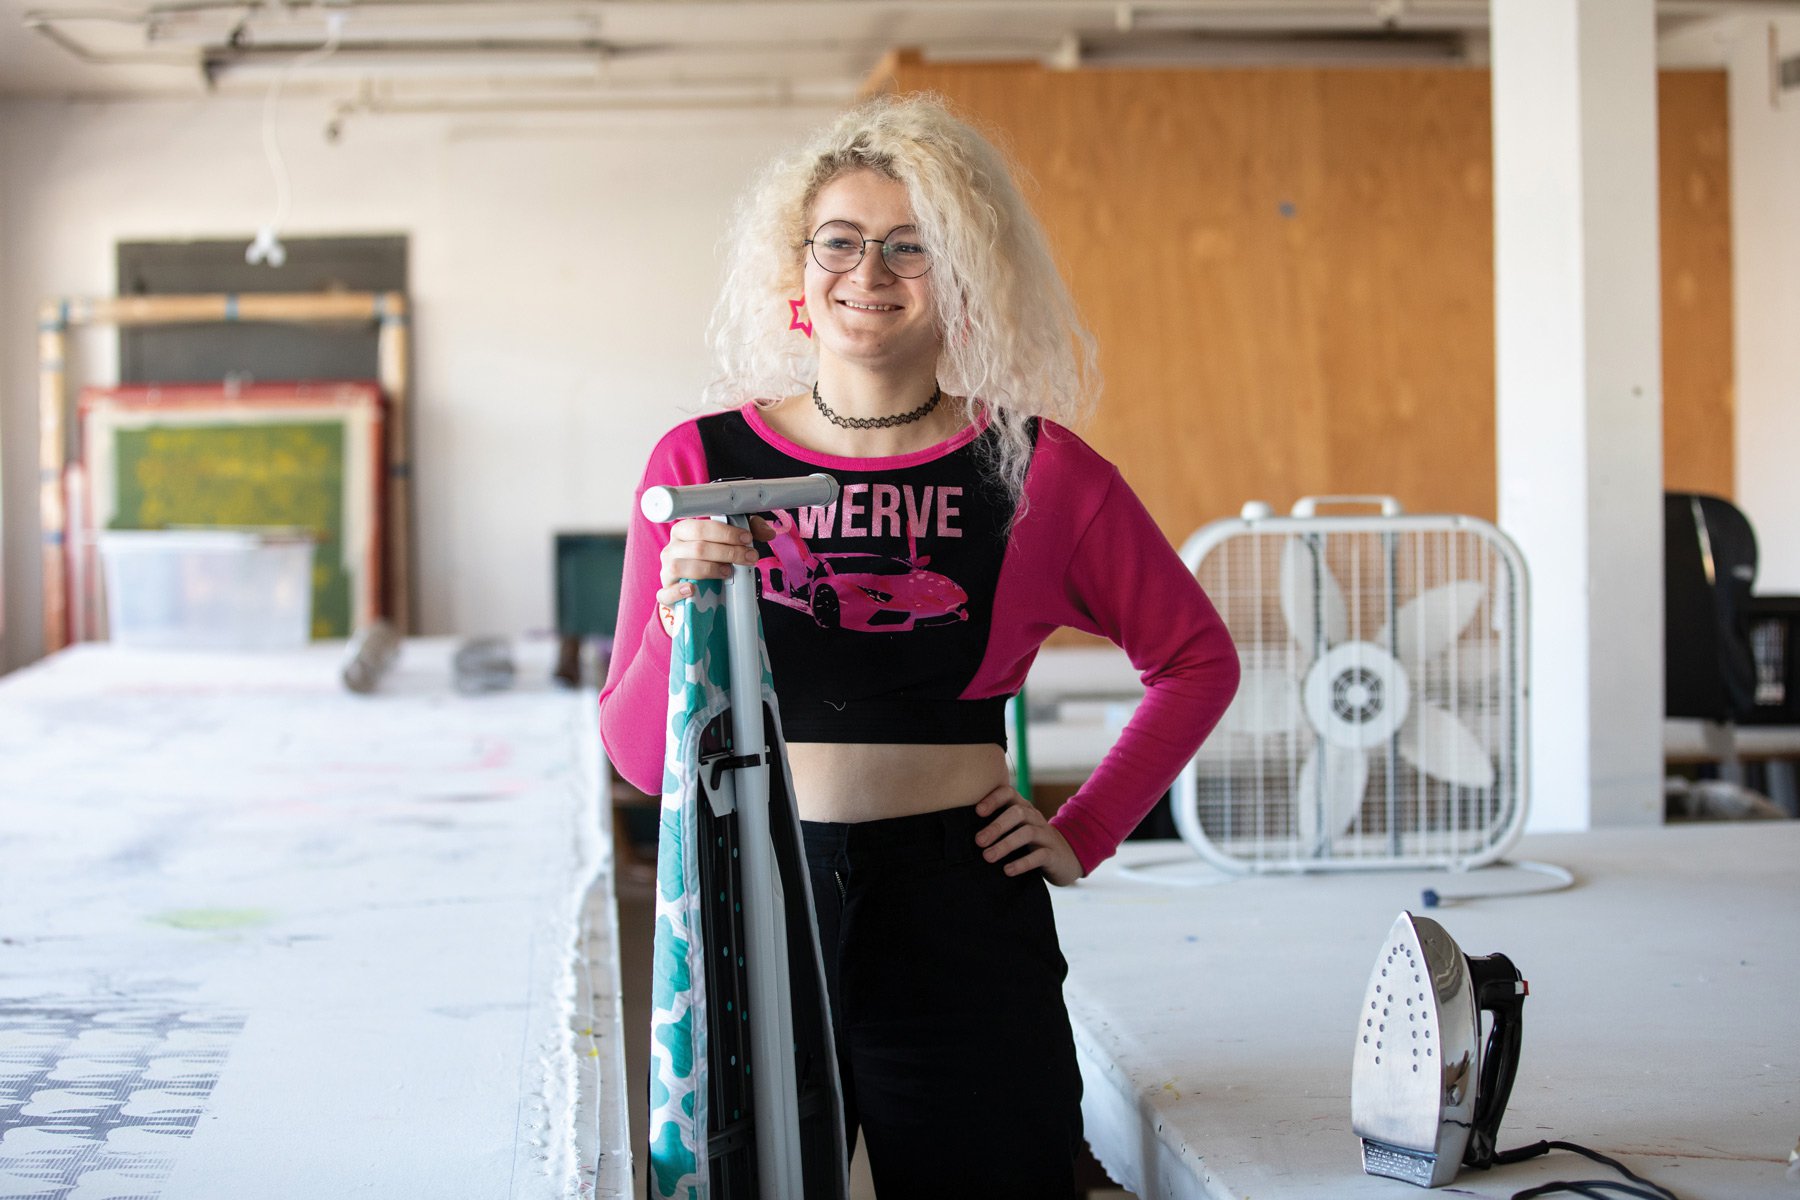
(209, 538)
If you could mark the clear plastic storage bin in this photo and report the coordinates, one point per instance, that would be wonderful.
(208, 589)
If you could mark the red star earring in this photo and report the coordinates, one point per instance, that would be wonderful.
(796, 321)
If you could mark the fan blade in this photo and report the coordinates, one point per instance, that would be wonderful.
(1444, 748)
(1430, 622)
(1337, 790)
(1481, 657)
(1478, 666)
(1267, 702)
(1311, 600)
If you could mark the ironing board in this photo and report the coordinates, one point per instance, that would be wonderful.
(738, 980)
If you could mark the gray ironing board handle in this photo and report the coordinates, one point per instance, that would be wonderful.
(663, 504)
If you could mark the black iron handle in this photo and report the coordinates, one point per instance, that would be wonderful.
(1501, 990)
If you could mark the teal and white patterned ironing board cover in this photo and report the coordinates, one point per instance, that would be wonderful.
(680, 1121)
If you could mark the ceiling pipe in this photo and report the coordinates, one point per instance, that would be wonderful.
(1109, 33)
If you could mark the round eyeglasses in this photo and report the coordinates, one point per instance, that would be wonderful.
(837, 246)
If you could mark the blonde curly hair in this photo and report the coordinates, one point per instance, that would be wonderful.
(1013, 343)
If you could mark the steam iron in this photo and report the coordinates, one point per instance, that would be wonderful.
(1425, 1096)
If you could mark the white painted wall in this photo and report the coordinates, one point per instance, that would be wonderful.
(562, 275)
(1765, 230)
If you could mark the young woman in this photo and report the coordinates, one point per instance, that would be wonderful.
(892, 316)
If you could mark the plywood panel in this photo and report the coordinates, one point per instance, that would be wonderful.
(1290, 273)
(1405, 273)
(1699, 405)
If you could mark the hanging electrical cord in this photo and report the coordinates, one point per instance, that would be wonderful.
(267, 247)
(1645, 1189)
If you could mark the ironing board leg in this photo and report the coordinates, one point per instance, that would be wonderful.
(771, 1014)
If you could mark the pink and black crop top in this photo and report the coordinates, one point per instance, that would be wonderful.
(909, 612)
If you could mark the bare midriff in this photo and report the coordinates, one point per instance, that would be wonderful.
(852, 782)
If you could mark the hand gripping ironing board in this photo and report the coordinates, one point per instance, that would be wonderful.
(744, 1093)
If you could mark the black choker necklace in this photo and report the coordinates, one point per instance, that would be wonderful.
(905, 418)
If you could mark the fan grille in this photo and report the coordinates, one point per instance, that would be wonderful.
(1387, 651)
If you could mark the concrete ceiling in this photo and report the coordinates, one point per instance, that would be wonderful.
(570, 54)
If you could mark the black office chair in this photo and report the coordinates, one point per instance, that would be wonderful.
(1709, 566)
(1729, 655)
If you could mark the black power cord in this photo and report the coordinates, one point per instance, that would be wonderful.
(1584, 1187)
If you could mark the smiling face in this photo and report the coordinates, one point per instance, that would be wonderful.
(868, 315)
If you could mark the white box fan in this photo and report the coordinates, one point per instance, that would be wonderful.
(1381, 717)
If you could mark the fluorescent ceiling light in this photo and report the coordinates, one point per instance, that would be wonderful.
(348, 63)
(1276, 16)
(1225, 50)
(440, 23)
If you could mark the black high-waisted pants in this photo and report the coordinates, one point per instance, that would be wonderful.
(945, 980)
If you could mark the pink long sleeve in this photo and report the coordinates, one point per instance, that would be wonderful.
(1142, 597)
(634, 703)
(1088, 555)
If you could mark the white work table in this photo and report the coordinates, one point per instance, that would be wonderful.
(262, 937)
(1215, 1022)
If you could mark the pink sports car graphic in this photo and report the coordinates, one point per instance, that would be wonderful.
(858, 591)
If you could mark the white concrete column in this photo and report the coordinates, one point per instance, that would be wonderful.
(1765, 272)
(1578, 380)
